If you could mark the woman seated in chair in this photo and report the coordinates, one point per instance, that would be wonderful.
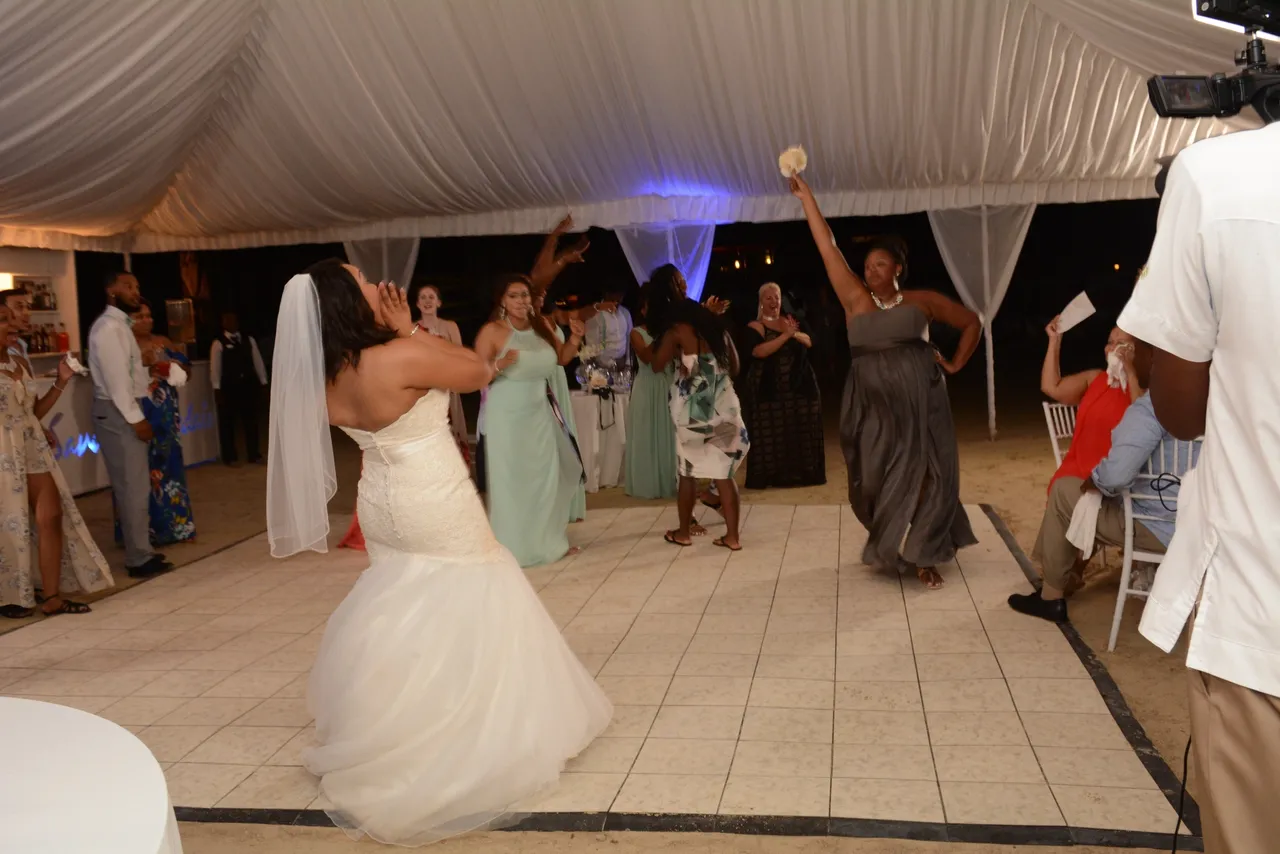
(1100, 395)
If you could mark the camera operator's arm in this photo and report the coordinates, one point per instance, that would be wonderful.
(1172, 309)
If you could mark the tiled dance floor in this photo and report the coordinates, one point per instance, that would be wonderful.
(785, 680)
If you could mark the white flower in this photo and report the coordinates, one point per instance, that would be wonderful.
(177, 376)
(792, 161)
(76, 367)
(599, 380)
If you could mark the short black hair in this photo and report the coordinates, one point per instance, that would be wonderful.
(893, 246)
(13, 292)
(110, 278)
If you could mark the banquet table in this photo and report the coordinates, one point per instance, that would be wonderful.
(602, 436)
(77, 783)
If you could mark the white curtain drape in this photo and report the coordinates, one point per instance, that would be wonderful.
(388, 259)
(980, 247)
(688, 246)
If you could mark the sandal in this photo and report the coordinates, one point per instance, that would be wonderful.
(15, 612)
(931, 578)
(670, 537)
(67, 607)
(719, 541)
(697, 530)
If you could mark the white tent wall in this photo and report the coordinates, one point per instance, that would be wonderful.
(686, 245)
(980, 248)
(385, 259)
(157, 125)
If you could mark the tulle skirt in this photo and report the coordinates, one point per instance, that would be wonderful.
(444, 697)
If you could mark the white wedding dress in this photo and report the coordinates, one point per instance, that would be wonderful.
(443, 693)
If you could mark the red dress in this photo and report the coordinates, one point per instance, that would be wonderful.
(1099, 413)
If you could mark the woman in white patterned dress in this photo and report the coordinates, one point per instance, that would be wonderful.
(39, 522)
(444, 695)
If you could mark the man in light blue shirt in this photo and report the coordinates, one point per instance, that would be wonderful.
(1136, 440)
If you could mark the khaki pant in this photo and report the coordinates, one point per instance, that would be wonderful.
(1235, 737)
(1058, 557)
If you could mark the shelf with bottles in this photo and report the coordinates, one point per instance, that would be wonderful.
(47, 338)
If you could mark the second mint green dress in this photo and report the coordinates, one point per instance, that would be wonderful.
(651, 433)
(532, 466)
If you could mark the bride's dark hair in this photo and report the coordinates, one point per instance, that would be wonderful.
(347, 322)
(666, 308)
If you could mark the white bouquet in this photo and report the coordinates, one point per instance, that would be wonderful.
(177, 376)
(792, 161)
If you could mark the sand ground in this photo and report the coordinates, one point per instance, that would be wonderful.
(1010, 474)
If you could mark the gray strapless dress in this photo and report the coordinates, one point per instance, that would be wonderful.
(899, 443)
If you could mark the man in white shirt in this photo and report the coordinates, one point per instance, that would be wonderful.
(609, 329)
(1208, 300)
(238, 375)
(119, 381)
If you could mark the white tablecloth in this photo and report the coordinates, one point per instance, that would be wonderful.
(602, 437)
(78, 784)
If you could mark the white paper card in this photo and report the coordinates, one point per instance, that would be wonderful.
(1077, 311)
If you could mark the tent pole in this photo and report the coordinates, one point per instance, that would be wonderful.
(986, 323)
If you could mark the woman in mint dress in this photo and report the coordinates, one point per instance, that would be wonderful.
(532, 465)
(651, 434)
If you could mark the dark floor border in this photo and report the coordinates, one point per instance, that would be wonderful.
(801, 826)
(1168, 780)
(741, 825)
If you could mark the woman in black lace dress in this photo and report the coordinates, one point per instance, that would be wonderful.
(783, 404)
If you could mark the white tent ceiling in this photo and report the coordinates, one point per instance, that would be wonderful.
(187, 124)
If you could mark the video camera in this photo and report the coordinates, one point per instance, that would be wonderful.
(1217, 95)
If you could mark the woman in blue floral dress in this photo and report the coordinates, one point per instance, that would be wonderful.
(171, 519)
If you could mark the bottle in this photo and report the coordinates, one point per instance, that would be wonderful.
(64, 342)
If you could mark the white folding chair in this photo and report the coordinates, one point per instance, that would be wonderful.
(1061, 419)
(1163, 463)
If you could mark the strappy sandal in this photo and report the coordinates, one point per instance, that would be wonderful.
(67, 607)
(930, 577)
(720, 541)
(670, 537)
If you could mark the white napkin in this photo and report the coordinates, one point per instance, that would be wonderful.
(1083, 531)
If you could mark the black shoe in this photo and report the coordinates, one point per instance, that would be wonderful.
(155, 566)
(1054, 610)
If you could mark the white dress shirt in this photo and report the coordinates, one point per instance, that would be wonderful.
(1211, 292)
(610, 331)
(215, 361)
(115, 362)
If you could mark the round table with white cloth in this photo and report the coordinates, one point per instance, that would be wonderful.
(76, 783)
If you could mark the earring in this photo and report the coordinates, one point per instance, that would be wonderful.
(895, 284)
(502, 312)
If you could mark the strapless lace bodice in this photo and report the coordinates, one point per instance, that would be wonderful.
(416, 494)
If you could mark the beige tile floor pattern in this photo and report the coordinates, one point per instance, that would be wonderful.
(786, 679)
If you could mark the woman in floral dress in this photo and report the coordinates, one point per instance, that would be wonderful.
(711, 437)
(40, 526)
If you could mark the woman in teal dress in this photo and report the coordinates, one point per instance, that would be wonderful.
(651, 434)
(532, 464)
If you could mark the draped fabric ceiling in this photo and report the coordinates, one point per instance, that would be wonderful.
(157, 125)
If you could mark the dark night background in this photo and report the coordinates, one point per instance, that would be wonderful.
(1069, 248)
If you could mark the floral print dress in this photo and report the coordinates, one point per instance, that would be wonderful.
(24, 451)
(711, 437)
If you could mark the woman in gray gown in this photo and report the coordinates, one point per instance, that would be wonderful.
(895, 426)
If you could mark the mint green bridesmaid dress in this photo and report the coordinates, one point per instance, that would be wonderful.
(533, 470)
(651, 434)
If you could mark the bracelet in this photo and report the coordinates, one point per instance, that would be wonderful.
(60, 387)
(414, 331)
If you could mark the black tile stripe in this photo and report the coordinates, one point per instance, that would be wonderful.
(1168, 781)
(801, 826)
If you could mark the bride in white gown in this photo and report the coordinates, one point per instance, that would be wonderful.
(443, 693)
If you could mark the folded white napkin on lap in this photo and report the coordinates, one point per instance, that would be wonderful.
(1083, 531)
